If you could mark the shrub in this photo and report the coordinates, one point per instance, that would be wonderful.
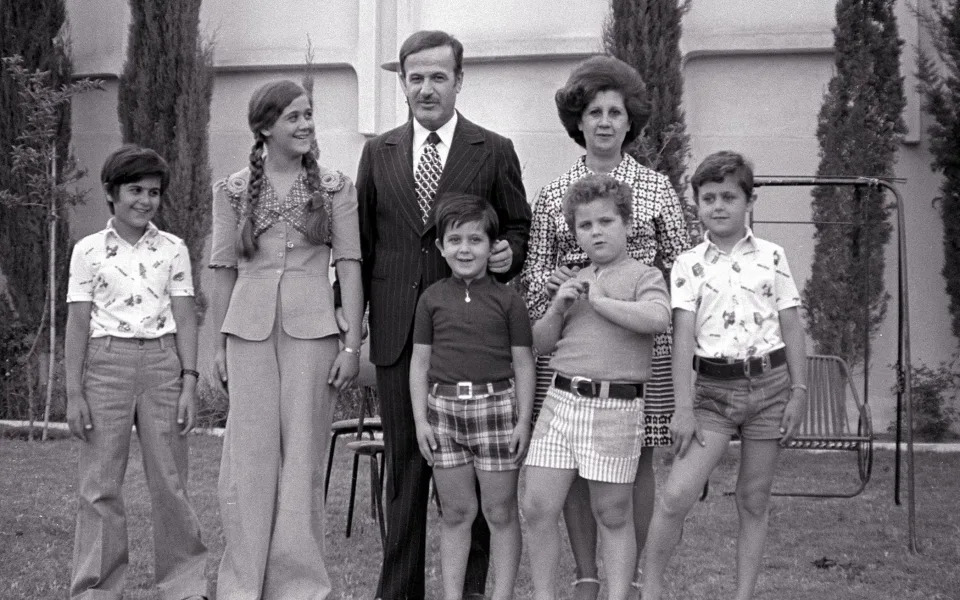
(934, 394)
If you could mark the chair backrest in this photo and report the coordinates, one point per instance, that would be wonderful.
(828, 383)
(365, 408)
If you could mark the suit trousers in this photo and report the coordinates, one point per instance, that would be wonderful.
(273, 467)
(408, 485)
(131, 382)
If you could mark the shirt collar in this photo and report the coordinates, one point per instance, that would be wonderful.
(149, 233)
(445, 132)
(746, 244)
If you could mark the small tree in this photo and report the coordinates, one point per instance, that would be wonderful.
(33, 31)
(164, 103)
(939, 86)
(645, 34)
(859, 128)
(41, 180)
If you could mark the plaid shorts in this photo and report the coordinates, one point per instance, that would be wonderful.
(475, 429)
(600, 438)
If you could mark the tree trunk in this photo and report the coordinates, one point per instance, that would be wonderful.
(52, 279)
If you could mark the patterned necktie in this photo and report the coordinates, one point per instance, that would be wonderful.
(427, 175)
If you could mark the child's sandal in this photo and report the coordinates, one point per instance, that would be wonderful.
(588, 580)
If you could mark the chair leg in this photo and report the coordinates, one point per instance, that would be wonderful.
(353, 493)
(326, 481)
(376, 490)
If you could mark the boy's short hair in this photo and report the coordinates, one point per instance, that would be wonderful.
(454, 208)
(130, 163)
(593, 187)
(717, 166)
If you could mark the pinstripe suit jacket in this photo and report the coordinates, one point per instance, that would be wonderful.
(400, 258)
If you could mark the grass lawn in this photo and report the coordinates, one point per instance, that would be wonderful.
(836, 549)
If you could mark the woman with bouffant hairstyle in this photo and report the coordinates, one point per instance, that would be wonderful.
(603, 107)
(277, 226)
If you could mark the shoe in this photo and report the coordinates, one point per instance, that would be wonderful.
(587, 581)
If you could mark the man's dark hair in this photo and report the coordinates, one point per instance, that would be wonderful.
(424, 40)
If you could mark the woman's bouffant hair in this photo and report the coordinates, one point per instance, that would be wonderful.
(601, 74)
(593, 187)
(266, 105)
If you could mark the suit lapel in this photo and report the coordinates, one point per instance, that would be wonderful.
(467, 153)
(398, 155)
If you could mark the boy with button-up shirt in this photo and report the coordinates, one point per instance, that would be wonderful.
(131, 345)
(736, 321)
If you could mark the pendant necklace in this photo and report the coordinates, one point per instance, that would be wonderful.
(466, 293)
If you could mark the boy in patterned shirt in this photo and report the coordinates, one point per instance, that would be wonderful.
(736, 321)
(131, 351)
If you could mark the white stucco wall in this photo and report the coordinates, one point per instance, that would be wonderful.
(755, 73)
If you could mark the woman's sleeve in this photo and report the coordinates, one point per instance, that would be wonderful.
(541, 257)
(346, 227)
(670, 225)
(223, 245)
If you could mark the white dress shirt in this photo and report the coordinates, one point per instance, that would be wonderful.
(445, 132)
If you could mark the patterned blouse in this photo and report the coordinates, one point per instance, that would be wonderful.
(659, 234)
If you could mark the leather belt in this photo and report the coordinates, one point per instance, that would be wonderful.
(594, 388)
(468, 389)
(737, 369)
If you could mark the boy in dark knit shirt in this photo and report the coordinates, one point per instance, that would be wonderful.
(471, 383)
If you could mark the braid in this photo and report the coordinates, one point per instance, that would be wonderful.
(246, 241)
(318, 221)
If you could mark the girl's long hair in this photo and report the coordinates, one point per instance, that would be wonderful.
(266, 106)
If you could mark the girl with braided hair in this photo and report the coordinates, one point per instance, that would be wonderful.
(277, 226)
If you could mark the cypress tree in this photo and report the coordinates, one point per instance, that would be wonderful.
(164, 104)
(859, 128)
(645, 34)
(939, 86)
(31, 30)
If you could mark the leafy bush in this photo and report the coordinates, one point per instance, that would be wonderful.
(934, 394)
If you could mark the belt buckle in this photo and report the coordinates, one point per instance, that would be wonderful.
(464, 390)
(765, 363)
(575, 384)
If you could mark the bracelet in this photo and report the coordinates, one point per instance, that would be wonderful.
(189, 372)
(798, 386)
(350, 350)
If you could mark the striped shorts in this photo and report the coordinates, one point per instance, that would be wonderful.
(474, 430)
(600, 438)
(657, 401)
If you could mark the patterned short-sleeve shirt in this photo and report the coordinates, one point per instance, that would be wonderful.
(737, 297)
(130, 286)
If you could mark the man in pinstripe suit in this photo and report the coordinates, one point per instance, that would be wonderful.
(400, 260)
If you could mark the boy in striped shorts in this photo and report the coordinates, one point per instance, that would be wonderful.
(471, 384)
(600, 328)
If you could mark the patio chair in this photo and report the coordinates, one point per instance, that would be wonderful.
(836, 419)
